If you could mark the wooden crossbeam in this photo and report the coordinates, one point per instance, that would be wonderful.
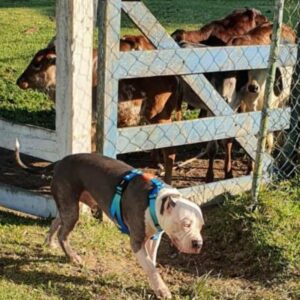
(107, 98)
(199, 60)
(35, 141)
(203, 193)
(155, 136)
(156, 33)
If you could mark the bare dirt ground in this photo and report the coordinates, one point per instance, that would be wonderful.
(188, 175)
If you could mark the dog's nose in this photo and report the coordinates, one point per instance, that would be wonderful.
(253, 88)
(196, 244)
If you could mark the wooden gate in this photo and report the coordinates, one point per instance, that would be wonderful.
(189, 64)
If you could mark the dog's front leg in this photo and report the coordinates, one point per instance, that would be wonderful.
(152, 245)
(155, 280)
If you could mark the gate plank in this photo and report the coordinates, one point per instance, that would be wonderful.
(35, 141)
(204, 193)
(199, 60)
(149, 137)
(155, 32)
(107, 98)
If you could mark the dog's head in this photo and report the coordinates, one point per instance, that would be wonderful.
(182, 221)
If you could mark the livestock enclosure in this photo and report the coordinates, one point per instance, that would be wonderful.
(247, 253)
(73, 123)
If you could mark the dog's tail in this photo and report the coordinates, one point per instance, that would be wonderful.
(31, 169)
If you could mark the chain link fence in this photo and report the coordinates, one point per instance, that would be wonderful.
(225, 84)
(287, 146)
(194, 94)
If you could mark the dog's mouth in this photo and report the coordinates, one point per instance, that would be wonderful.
(191, 250)
(175, 242)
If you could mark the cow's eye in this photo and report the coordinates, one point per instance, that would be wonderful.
(36, 66)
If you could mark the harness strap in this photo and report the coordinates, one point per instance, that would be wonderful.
(116, 209)
(157, 185)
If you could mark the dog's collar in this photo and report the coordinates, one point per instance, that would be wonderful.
(115, 208)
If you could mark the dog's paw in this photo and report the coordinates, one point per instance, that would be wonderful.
(76, 259)
(163, 293)
(51, 243)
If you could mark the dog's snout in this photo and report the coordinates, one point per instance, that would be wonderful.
(196, 244)
(253, 88)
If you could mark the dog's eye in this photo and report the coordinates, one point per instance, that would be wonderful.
(187, 225)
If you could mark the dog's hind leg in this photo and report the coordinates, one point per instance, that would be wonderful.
(68, 222)
(49, 241)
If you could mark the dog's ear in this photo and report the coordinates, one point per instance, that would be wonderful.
(278, 84)
(167, 205)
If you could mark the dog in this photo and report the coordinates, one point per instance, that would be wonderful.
(92, 179)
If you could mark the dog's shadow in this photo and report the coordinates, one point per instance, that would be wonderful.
(15, 270)
(74, 284)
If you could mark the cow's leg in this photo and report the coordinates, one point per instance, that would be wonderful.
(228, 158)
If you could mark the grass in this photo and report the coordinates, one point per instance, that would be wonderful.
(27, 26)
(245, 256)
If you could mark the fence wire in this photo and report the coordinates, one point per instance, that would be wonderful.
(219, 89)
(287, 142)
(190, 94)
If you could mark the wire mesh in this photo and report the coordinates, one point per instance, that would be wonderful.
(286, 148)
(193, 94)
(164, 74)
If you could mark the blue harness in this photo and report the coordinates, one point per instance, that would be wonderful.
(116, 210)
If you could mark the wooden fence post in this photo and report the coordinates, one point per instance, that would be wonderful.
(74, 76)
(261, 144)
(107, 98)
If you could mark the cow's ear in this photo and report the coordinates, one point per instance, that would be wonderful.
(51, 57)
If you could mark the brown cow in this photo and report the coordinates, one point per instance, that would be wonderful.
(237, 23)
(152, 98)
(251, 96)
(262, 35)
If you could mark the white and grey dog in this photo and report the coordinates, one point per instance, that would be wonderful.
(92, 179)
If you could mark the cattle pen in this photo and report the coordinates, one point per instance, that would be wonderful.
(74, 46)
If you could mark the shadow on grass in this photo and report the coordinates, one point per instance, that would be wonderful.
(232, 248)
(79, 285)
(10, 218)
(12, 269)
(41, 118)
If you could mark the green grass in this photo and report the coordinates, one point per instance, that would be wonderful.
(27, 26)
(245, 256)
